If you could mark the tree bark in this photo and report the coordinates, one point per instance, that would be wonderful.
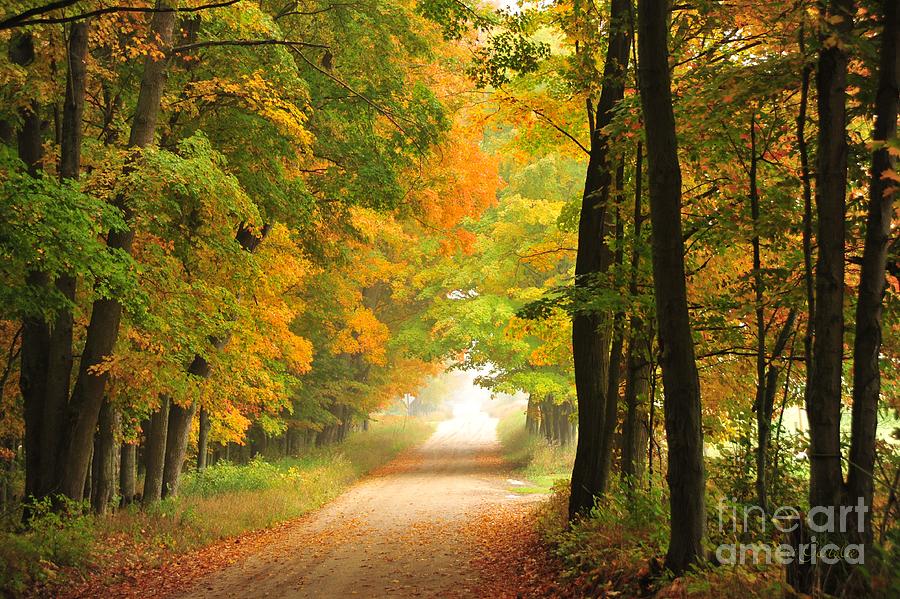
(155, 453)
(806, 182)
(869, 308)
(179, 431)
(637, 365)
(762, 419)
(127, 473)
(681, 385)
(764, 407)
(530, 420)
(104, 487)
(590, 330)
(103, 330)
(611, 410)
(824, 394)
(203, 440)
(35, 332)
(59, 358)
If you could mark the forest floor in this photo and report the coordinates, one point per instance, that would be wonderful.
(439, 521)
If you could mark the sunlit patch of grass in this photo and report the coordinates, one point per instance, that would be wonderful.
(538, 462)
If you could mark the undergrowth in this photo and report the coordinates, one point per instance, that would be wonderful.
(52, 538)
(540, 463)
(619, 548)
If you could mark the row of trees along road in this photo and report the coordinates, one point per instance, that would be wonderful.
(221, 215)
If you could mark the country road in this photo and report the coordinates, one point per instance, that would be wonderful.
(403, 532)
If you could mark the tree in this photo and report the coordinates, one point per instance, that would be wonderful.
(824, 395)
(591, 331)
(681, 385)
(869, 308)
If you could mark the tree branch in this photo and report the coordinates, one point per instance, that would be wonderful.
(553, 124)
(268, 42)
(383, 111)
(23, 19)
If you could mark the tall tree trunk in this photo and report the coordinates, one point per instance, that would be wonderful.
(128, 473)
(611, 411)
(179, 430)
(60, 359)
(88, 479)
(590, 330)
(867, 344)
(104, 487)
(155, 453)
(824, 394)
(346, 421)
(765, 407)
(103, 330)
(530, 420)
(203, 440)
(637, 365)
(681, 385)
(799, 575)
(806, 181)
(35, 332)
(762, 419)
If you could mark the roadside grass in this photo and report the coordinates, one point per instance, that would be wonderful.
(535, 460)
(224, 501)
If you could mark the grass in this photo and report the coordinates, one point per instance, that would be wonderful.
(224, 501)
(535, 460)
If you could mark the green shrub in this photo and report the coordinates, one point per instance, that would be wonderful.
(53, 538)
(226, 477)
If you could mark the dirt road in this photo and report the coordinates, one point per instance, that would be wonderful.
(404, 532)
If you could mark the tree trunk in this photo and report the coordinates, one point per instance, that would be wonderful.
(590, 330)
(104, 487)
(867, 344)
(824, 395)
(127, 473)
(35, 332)
(681, 385)
(637, 365)
(87, 396)
(203, 440)
(88, 479)
(346, 421)
(32, 384)
(634, 429)
(611, 411)
(806, 181)
(764, 407)
(179, 430)
(529, 417)
(60, 359)
(155, 453)
(762, 419)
